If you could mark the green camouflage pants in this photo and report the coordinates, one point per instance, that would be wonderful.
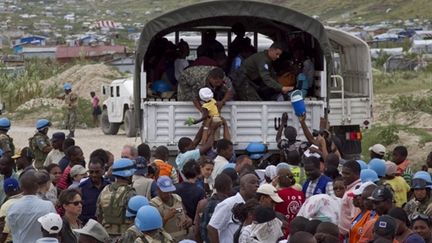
(71, 119)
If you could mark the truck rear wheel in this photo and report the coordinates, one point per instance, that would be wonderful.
(129, 124)
(107, 127)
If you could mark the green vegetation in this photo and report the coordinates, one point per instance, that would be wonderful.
(15, 90)
(387, 135)
(412, 104)
(402, 82)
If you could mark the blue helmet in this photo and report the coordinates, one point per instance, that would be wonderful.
(123, 168)
(160, 86)
(256, 150)
(148, 218)
(368, 175)
(5, 124)
(378, 165)
(42, 123)
(67, 86)
(362, 164)
(423, 175)
(134, 204)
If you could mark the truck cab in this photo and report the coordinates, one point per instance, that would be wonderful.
(342, 80)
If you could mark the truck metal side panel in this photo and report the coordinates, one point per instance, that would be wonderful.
(251, 121)
(356, 111)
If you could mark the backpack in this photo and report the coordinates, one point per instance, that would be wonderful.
(115, 212)
(206, 216)
(320, 187)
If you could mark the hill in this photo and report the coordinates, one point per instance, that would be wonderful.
(363, 11)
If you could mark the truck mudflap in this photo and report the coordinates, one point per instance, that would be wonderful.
(163, 121)
(348, 140)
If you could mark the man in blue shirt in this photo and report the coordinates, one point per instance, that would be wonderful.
(23, 215)
(188, 149)
(91, 188)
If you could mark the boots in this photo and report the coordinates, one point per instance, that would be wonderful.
(71, 134)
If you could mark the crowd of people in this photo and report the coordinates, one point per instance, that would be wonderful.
(49, 192)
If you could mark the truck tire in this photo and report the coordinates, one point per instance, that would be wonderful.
(129, 124)
(107, 127)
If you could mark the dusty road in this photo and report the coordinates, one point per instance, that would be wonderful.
(87, 139)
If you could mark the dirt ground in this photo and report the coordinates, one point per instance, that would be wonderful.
(87, 139)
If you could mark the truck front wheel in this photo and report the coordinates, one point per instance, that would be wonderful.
(129, 124)
(107, 127)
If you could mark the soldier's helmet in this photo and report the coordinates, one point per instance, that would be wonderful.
(5, 124)
(123, 168)
(134, 204)
(42, 123)
(67, 86)
(148, 218)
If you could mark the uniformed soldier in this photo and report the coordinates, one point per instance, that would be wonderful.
(257, 78)
(40, 143)
(6, 142)
(134, 204)
(149, 222)
(170, 206)
(113, 200)
(71, 103)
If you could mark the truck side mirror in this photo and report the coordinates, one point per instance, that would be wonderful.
(103, 91)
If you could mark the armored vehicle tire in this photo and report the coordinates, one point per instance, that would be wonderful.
(107, 127)
(129, 124)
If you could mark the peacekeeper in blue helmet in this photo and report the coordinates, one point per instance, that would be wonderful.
(6, 142)
(71, 104)
(421, 184)
(149, 222)
(134, 204)
(40, 143)
(113, 201)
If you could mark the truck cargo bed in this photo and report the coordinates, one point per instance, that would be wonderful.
(248, 121)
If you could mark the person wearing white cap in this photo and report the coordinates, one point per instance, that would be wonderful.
(397, 183)
(377, 151)
(268, 196)
(360, 200)
(77, 173)
(51, 224)
(92, 232)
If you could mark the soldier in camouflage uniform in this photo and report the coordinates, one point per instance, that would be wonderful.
(40, 143)
(197, 77)
(113, 200)
(134, 204)
(422, 200)
(6, 142)
(256, 79)
(71, 103)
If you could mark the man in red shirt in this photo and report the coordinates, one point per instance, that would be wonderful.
(292, 198)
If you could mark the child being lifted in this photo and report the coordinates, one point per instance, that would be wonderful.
(210, 113)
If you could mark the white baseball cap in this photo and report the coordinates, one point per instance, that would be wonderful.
(271, 191)
(51, 222)
(358, 191)
(205, 94)
(378, 149)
